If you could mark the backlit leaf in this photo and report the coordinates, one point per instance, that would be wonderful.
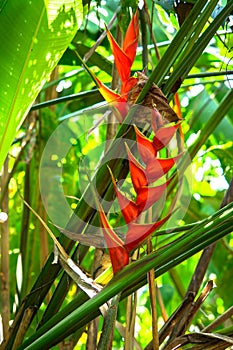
(33, 37)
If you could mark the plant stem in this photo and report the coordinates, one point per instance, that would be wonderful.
(108, 327)
(144, 40)
(152, 291)
(130, 321)
(5, 268)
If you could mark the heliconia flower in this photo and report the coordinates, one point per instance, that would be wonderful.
(146, 196)
(142, 176)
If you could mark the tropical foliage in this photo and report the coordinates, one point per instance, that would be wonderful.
(116, 193)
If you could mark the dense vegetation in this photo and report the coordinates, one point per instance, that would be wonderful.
(58, 135)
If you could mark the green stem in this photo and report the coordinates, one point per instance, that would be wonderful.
(144, 40)
(93, 96)
(4, 256)
(109, 323)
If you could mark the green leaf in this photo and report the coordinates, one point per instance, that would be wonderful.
(162, 260)
(33, 38)
(70, 58)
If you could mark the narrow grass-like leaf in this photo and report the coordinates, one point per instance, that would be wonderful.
(187, 61)
(174, 49)
(190, 243)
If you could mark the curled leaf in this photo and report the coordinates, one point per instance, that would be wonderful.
(154, 100)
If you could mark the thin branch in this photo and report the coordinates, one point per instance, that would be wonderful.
(219, 320)
(149, 23)
(152, 290)
(100, 39)
(106, 338)
(142, 15)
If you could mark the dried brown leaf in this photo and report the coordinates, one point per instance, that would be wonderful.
(154, 99)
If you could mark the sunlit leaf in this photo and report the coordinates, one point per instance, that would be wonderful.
(33, 38)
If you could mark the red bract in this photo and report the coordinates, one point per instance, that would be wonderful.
(137, 171)
(138, 233)
(148, 149)
(158, 167)
(129, 209)
(146, 196)
(118, 254)
(117, 101)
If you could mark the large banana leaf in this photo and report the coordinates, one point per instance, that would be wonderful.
(33, 35)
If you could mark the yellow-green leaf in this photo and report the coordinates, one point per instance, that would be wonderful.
(33, 36)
